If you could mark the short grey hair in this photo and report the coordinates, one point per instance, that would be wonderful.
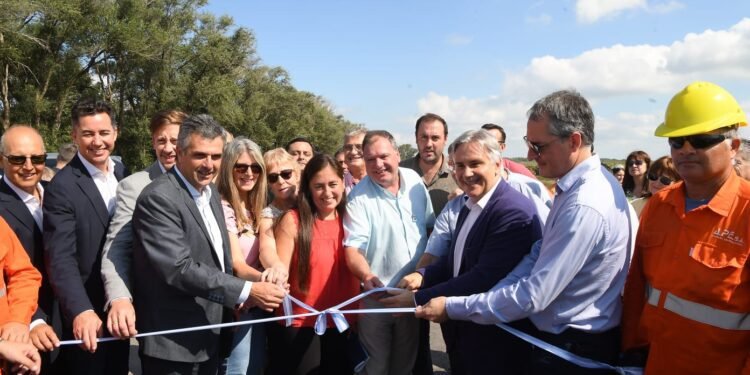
(568, 112)
(483, 138)
(372, 134)
(203, 125)
(354, 133)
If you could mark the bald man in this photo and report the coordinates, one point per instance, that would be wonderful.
(21, 193)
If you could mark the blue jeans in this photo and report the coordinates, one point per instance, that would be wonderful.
(248, 346)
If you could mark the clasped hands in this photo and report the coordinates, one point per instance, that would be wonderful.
(434, 310)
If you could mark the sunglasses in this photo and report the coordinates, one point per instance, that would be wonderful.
(285, 174)
(352, 147)
(242, 168)
(663, 179)
(635, 162)
(536, 147)
(21, 160)
(699, 141)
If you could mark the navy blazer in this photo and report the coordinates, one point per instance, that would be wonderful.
(501, 236)
(18, 217)
(75, 227)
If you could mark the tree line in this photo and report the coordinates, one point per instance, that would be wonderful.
(143, 56)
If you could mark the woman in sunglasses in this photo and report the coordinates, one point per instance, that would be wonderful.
(635, 183)
(661, 174)
(310, 240)
(242, 185)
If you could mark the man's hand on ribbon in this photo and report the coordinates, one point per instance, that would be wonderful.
(87, 327)
(412, 281)
(371, 281)
(121, 318)
(399, 298)
(265, 295)
(433, 311)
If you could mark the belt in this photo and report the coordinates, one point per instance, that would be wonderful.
(699, 312)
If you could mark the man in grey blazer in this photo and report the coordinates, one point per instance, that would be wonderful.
(182, 258)
(117, 254)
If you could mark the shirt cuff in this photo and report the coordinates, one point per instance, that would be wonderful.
(245, 292)
(36, 323)
(455, 307)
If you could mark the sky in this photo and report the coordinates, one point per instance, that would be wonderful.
(385, 63)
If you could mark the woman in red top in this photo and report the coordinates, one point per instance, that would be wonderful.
(310, 240)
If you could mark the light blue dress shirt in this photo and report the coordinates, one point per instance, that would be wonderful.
(574, 276)
(439, 242)
(389, 230)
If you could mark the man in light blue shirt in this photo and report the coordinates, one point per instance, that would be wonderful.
(388, 215)
(570, 284)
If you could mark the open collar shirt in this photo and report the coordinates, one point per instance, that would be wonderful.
(32, 204)
(106, 182)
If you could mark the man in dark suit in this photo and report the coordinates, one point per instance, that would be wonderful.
(78, 204)
(21, 194)
(495, 230)
(182, 244)
(117, 255)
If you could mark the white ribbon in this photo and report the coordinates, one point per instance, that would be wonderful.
(335, 312)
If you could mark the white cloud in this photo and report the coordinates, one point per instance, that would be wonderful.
(543, 19)
(458, 40)
(591, 11)
(618, 80)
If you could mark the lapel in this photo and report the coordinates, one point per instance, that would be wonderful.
(459, 223)
(90, 191)
(219, 217)
(193, 208)
(153, 171)
(15, 206)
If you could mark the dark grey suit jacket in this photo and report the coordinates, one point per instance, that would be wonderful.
(177, 277)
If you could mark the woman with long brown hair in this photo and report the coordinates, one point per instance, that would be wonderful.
(635, 183)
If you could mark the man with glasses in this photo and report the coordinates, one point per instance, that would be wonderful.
(693, 246)
(569, 285)
(21, 195)
(78, 205)
(354, 157)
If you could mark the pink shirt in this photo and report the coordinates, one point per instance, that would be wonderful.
(249, 244)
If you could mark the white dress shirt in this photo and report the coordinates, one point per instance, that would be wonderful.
(34, 205)
(106, 182)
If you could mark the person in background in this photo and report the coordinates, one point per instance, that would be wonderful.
(742, 159)
(687, 296)
(78, 205)
(635, 183)
(243, 188)
(619, 172)
(117, 253)
(661, 174)
(301, 149)
(340, 157)
(65, 154)
(310, 240)
(499, 133)
(355, 161)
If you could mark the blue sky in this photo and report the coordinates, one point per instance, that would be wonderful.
(384, 63)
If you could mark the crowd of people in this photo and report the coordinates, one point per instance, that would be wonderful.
(640, 265)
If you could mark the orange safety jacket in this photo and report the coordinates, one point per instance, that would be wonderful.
(19, 286)
(687, 295)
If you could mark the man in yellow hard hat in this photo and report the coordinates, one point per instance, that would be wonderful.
(687, 296)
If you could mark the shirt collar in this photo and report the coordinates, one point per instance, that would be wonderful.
(413, 163)
(25, 197)
(161, 167)
(94, 170)
(721, 202)
(482, 202)
(206, 193)
(575, 174)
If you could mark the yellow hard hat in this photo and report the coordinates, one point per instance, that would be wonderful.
(699, 108)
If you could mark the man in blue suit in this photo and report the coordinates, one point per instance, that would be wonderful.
(495, 230)
(78, 205)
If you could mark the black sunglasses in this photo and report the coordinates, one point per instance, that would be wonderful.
(536, 147)
(663, 179)
(635, 162)
(285, 174)
(699, 141)
(21, 160)
(242, 168)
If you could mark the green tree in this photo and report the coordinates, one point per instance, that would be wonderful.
(407, 151)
